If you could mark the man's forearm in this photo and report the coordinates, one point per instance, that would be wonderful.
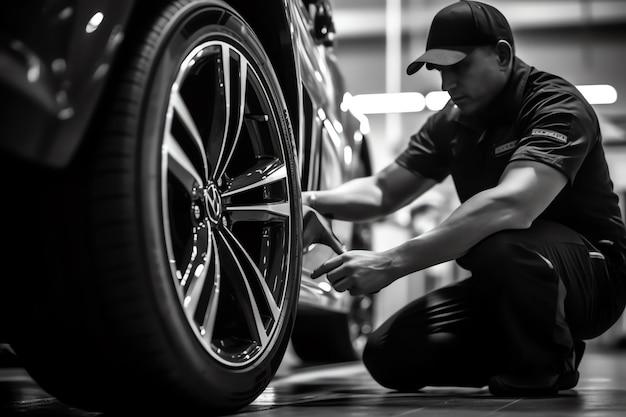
(473, 221)
(370, 198)
(356, 200)
(525, 191)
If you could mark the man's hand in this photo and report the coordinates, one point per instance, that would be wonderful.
(308, 198)
(358, 271)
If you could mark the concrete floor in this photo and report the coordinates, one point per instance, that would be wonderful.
(347, 390)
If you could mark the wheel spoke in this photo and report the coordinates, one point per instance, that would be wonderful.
(234, 77)
(210, 314)
(260, 212)
(255, 296)
(180, 165)
(193, 278)
(186, 119)
(265, 172)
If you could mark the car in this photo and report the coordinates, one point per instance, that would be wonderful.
(153, 156)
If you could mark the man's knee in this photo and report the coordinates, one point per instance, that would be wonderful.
(499, 254)
(498, 249)
(375, 359)
(387, 367)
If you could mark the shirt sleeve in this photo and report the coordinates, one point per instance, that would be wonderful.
(425, 154)
(557, 129)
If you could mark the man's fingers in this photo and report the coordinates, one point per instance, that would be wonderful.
(327, 266)
(339, 284)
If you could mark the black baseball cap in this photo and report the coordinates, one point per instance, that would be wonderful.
(457, 29)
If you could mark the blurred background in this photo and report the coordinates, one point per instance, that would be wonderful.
(583, 41)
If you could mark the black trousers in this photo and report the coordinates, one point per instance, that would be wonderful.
(532, 295)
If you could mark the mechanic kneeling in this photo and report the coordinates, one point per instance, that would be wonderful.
(539, 225)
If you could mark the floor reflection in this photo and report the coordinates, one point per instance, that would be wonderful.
(347, 390)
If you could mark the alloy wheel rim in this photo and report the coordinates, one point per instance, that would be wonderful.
(227, 203)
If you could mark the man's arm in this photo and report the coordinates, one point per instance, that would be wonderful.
(370, 197)
(524, 192)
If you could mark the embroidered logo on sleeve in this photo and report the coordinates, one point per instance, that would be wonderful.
(499, 150)
(550, 134)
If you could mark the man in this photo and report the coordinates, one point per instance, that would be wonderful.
(539, 226)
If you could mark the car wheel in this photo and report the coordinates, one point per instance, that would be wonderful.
(177, 262)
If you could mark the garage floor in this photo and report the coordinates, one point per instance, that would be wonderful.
(347, 390)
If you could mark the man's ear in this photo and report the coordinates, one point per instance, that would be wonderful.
(505, 53)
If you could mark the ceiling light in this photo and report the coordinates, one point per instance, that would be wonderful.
(599, 93)
(436, 100)
(388, 103)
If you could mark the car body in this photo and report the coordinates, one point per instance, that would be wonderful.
(153, 154)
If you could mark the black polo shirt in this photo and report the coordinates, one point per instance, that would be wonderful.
(538, 117)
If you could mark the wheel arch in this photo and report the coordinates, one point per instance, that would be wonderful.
(271, 22)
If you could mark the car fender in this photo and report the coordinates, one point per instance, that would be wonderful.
(52, 78)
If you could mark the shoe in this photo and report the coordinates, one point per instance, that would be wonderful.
(8, 358)
(541, 385)
(568, 380)
(579, 351)
(532, 385)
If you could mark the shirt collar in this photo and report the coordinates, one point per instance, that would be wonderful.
(508, 103)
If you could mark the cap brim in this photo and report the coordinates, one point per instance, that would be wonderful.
(443, 57)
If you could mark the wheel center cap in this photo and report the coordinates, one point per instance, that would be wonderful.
(213, 203)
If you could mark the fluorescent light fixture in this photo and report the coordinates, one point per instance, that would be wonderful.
(388, 103)
(436, 100)
(599, 93)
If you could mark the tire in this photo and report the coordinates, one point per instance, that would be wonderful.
(175, 248)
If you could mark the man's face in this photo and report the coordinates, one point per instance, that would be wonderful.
(474, 82)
